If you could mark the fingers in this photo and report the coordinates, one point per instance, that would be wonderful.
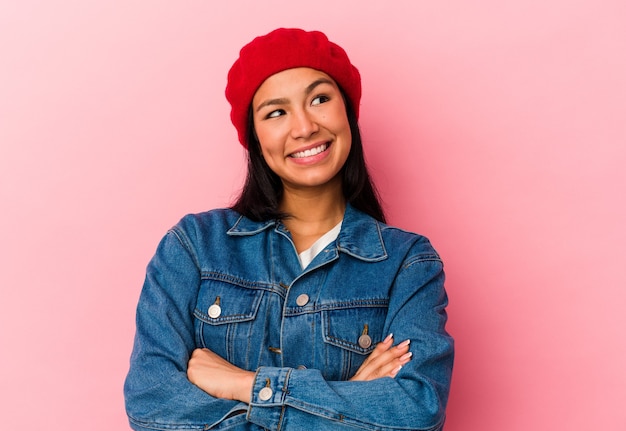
(385, 360)
(391, 354)
(380, 348)
(392, 361)
(401, 361)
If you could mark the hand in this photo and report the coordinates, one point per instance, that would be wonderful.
(218, 377)
(384, 361)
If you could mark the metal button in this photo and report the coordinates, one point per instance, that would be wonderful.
(215, 311)
(365, 341)
(265, 394)
(302, 300)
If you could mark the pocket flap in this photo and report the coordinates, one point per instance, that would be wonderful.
(344, 327)
(221, 302)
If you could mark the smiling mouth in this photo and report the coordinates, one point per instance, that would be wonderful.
(311, 152)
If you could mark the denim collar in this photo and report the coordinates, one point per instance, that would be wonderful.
(360, 234)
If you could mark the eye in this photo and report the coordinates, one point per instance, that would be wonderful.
(319, 100)
(275, 114)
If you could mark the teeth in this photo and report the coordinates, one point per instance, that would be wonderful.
(311, 152)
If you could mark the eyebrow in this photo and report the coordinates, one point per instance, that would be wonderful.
(283, 101)
(315, 83)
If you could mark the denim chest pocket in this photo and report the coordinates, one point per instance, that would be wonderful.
(224, 318)
(351, 333)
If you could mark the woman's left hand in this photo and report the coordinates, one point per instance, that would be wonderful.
(218, 377)
(385, 360)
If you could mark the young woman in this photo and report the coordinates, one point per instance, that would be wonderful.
(298, 308)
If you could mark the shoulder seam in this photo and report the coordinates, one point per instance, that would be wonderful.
(182, 237)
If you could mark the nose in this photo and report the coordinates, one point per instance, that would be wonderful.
(303, 124)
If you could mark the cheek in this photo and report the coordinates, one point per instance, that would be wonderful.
(272, 142)
(264, 139)
(339, 120)
(343, 129)
(269, 149)
(266, 134)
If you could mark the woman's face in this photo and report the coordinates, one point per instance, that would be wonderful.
(301, 123)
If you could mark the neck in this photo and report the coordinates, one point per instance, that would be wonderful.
(312, 213)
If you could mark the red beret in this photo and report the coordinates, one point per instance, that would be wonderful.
(280, 50)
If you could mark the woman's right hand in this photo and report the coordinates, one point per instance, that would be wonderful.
(385, 360)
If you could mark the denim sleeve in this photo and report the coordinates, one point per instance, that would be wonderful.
(286, 398)
(157, 393)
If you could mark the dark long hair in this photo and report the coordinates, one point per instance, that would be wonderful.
(262, 191)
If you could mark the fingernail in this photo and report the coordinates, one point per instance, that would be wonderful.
(406, 356)
(389, 337)
(404, 344)
(396, 371)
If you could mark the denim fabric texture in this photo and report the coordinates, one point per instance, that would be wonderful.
(297, 329)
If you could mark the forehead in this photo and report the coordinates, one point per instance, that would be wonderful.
(290, 82)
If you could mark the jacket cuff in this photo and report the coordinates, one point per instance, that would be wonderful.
(267, 400)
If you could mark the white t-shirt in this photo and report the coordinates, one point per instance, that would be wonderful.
(309, 254)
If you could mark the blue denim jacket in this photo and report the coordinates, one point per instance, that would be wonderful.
(221, 281)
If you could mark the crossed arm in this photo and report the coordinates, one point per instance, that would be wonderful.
(166, 387)
(221, 379)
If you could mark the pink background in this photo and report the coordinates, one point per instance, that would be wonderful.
(497, 129)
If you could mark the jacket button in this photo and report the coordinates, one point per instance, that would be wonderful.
(365, 341)
(215, 311)
(265, 394)
(302, 300)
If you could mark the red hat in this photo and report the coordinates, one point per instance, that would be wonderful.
(280, 50)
